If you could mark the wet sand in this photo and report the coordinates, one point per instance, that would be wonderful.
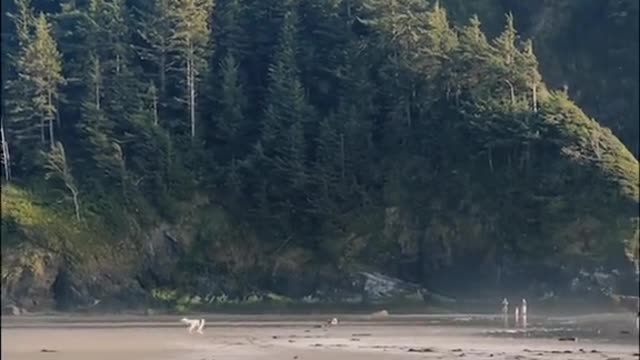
(270, 337)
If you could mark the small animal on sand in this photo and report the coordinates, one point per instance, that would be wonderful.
(194, 324)
(332, 322)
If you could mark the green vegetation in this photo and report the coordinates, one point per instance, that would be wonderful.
(23, 218)
(278, 139)
(589, 47)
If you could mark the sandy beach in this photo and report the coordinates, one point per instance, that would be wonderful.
(270, 337)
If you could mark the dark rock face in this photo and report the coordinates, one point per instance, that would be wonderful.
(208, 285)
(295, 285)
(162, 251)
(30, 277)
(40, 279)
(66, 293)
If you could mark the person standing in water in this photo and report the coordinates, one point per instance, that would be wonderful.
(524, 313)
(505, 312)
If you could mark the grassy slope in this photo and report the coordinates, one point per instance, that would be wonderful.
(39, 239)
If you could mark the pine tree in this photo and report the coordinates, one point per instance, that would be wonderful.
(230, 36)
(440, 40)
(506, 53)
(529, 65)
(357, 110)
(283, 130)
(155, 30)
(329, 171)
(110, 35)
(110, 40)
(231, 129)
(505, 43)
(287, 109)
(471, 77)
(231, 39)
(24, 21)
(265, 19)
(74, 30)
(417, 39)
(45, 72)
(324, 35)
(39, 69)
(190, 38)
(98, 145)
(148, 160)
(472, 56)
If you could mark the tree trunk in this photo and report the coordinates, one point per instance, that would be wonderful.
(6, 159)
(58, 122)
(408, 108)
(155, 109)
(76, 204)
(192, 90)
(534, 88)
(52, 140)
(163, 75)
(43, 124)
(512, 92)
(342, 159)
(192, 101)
(97, 85)
(97, 97)
(490, 156)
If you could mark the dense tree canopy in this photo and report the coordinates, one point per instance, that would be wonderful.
(313, 123)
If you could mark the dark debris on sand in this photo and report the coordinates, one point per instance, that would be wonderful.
(421, 350)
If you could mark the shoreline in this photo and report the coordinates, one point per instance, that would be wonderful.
(560, 306)
(271, 337)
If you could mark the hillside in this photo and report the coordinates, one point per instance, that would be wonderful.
(171, 150)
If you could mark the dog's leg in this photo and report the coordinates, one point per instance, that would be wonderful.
(202, 322)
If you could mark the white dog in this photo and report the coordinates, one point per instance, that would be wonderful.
(198, 325)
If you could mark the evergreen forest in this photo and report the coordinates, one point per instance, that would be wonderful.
(153, 148)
